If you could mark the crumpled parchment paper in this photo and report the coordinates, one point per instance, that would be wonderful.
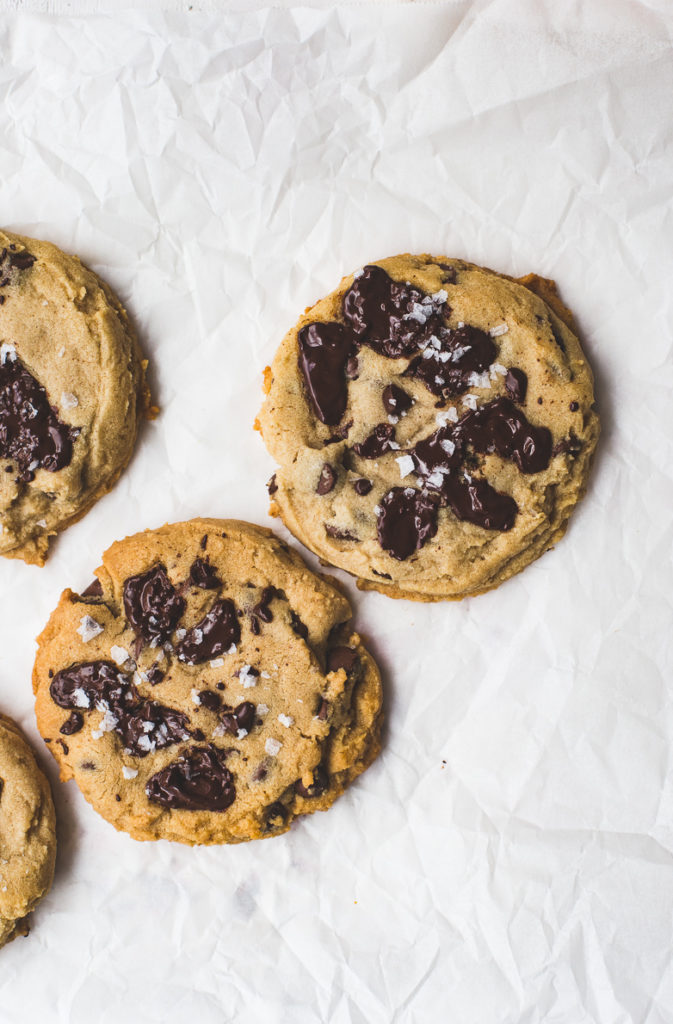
(509, 858)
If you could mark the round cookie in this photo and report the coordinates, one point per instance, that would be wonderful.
(27, 832)
(433, 424)
(207, 687)
(72, 393)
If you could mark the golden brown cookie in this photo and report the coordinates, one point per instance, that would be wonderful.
(433, 424)
(27, 832)
(207, 688)
(72, 392)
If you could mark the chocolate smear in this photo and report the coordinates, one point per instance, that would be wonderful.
(197, 781)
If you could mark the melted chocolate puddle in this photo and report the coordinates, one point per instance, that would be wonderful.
(30, 430)
(197, 781)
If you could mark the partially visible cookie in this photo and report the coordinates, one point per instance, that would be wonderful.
(27, 832)
(72, 393)
(433, 424)
(207, 688)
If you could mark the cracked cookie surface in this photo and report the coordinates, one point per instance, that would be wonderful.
(433, 424)
(72, 392)
(27, 832)
(206, 688)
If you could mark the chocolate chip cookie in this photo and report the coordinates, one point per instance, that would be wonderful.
(27, 832)
(433, 424)
(72, 392)
(207, 687)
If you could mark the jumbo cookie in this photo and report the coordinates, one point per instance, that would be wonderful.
(27, 832)
(72, 393)
(207, 688)
(433, 424)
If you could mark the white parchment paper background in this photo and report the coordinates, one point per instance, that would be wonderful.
(510, 856)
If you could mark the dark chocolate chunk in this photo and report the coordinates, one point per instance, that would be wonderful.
(337, 533)
(502, 429)
(209, 700)
(341, 657)
(64, 745)
(450, 358)
(30, 430)
(449, 275)
(395, 400)
(405, 521)
(241, 717)
(212, 636)
(362, 486)
(272, 486)
(327, 479)
(317, 787)
(143, 725)
(12, 261)
(516, 383)
(204, 542)
(72, 724)
(198, 781)
(574, 406)
(148, 726)
(262, 610)
(155, 675)
(153, 606)
(383, 575)
(392, 318)
(475, 501)
(203, 574)
(324, 351)
(95, 589)
(276, 815)
(298, 626)
(380, 441)
(339, 435)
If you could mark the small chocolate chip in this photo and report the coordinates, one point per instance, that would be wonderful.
(66, 748)
(210, 700)
(72, 724)
(574, 406)
(362, 486)
(338, 534)
(272, 486)
(298, 626)
(327, 479)
(318, 786)
(220, 686)
(204, 541)
(118, 798)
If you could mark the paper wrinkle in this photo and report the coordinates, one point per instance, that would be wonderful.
(509, 858)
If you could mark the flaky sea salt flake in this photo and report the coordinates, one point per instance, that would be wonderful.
(88, 628)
